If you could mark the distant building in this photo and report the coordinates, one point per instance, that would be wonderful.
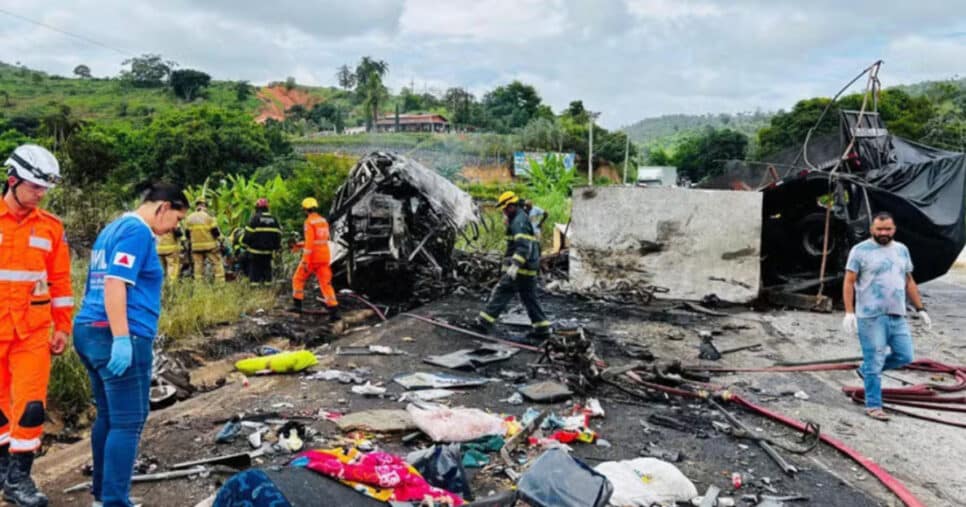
(413, 123)
(657, 176)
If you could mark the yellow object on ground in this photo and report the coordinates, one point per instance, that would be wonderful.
(284, 362)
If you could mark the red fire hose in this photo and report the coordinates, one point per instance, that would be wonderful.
(883, 476)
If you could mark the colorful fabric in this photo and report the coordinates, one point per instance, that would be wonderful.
(379, 475)
(880, 288)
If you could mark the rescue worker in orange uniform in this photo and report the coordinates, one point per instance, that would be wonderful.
(315, 260)
(36, 293)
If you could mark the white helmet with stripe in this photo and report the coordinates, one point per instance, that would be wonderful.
(35, 164)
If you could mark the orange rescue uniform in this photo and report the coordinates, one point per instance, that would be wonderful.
(35, 292)
(315, 260)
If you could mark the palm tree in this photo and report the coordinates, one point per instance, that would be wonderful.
(370, 88)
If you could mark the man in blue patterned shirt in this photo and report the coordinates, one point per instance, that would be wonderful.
(878, 277)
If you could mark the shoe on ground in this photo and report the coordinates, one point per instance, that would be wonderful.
(878, 414)
(481, 326)
(19, 488)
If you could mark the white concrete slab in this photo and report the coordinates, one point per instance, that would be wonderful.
(694, 242)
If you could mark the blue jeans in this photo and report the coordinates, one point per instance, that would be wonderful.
(122, 407)
(886, 345)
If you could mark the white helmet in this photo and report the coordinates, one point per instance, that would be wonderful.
(35, 164)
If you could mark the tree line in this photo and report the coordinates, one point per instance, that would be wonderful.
(932, 113)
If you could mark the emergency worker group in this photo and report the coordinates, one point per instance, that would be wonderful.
(131, 260)
(114, 330)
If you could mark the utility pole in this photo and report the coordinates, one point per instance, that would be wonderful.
(590, 152)
(627, 152)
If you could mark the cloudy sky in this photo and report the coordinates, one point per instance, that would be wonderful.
(629, 59)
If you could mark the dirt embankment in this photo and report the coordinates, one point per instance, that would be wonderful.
(276, 100)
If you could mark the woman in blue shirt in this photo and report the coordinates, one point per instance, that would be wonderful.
(115, 330)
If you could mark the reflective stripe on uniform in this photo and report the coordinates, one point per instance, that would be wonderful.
(524, 272)
(17, 444)
(13, 275)
(62, 302)
(519, 258)
(262, 229)
(487, 317)
(42, 243)
(525, 236)
(542, 323)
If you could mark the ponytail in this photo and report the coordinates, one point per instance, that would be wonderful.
(164, 192)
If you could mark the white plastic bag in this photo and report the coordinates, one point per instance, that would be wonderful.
(444, 424)
(647, 481)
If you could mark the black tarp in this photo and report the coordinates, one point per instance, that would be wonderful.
(923, 187)
(924, 190)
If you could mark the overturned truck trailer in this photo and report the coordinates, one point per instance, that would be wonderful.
(394, 221)
(921, 186)
(768, 232)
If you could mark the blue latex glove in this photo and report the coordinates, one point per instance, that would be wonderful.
(122, 353)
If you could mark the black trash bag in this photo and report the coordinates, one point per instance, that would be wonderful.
(557, 480)
(442, 466)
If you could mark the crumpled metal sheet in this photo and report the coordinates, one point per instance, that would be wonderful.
(394, 226)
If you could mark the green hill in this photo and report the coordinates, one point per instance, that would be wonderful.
(666, 131)
(32, 94)
(927, 87)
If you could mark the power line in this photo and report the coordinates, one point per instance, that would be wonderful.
(65, 32)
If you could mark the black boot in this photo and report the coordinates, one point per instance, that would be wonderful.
(482, 326)
(296, 306)
(19, 488)
(334, 315)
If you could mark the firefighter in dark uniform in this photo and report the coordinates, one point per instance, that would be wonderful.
(262, 238)
(520, 271)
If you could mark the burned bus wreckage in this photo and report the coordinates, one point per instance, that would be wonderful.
(921, 186)
(395, 222)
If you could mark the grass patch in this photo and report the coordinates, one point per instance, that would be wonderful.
(69, 392)
(190, 306)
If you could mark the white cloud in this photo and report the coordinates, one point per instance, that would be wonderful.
(626, 58)
(916, 55)
(672, 9)
(491, 20)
